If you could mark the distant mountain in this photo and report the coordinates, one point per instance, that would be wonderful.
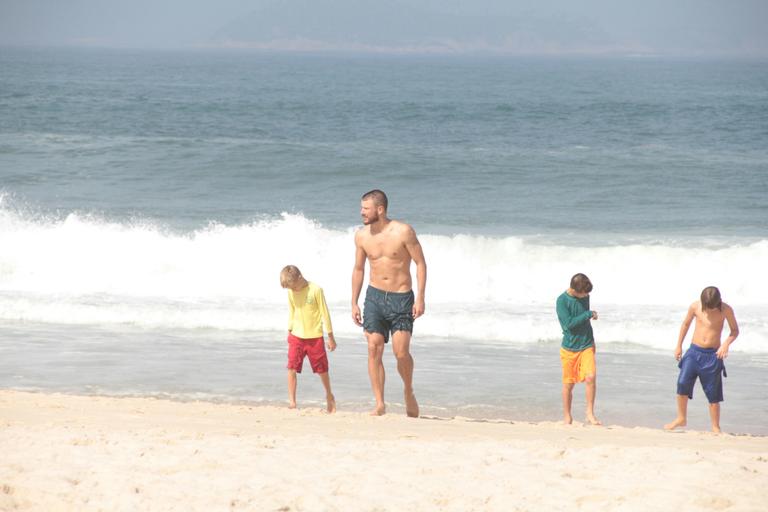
(396, 26)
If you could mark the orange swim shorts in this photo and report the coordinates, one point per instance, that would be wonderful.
(577, 365)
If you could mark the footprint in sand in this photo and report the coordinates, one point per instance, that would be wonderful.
(591, 499)
(714, 503)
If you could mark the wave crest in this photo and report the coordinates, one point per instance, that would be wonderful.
(85, 269)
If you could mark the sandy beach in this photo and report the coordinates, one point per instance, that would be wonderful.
(62, 452)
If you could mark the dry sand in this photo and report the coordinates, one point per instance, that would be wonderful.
(60, 452)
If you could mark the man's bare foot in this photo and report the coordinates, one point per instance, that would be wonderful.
(292, 405)
(592, 420)
(411, 405)
(716, 430)
(380, 410)
(567, 420)
(679, 422)
(331, 403)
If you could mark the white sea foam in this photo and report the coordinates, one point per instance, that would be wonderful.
(85, 270)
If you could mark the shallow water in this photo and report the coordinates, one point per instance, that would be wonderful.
(452, 377)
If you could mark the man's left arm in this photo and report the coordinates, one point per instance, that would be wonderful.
(417, 255)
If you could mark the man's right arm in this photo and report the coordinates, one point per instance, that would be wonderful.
(358, 274)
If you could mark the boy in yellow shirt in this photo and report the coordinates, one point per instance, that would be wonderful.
(307, 313)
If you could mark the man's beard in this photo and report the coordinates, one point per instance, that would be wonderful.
(370, 219)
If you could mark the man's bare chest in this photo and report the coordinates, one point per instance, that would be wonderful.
(378, 247)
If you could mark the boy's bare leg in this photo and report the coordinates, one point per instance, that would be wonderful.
(591, 384)
(291, 389)
(330, 400)
(682, 413)
(714, 415)
(567, 399)
(376, 371)
(401, 344)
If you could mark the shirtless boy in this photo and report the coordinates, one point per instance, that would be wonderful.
(704, 358)
(390, 305)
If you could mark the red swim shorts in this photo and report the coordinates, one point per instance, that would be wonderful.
(314, 348)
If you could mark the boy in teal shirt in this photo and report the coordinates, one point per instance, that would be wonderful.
(577, 351)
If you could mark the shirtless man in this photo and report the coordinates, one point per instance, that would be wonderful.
(704, 358)
(390, 305)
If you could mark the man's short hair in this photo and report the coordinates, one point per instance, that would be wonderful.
(710, 298)
(581, 284)
(379, 198)
(289, 275)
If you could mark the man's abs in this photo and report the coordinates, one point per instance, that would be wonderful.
(390, 277)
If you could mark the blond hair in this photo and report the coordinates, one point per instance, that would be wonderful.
(290, 275)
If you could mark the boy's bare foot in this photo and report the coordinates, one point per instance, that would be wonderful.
(679, 422)
(592, 420)
(567, 420)
(411, 405)
(292, 405)
(331, 403)
(716, 430)
(380, 410)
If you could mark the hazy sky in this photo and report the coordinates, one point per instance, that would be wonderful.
(673, 27)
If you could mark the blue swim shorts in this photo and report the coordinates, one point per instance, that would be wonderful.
(385, 312)
(704, 364)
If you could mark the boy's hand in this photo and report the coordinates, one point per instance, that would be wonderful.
(678, 353)
(594, 315)
(331, 342)
(722, 352)
(356, 316)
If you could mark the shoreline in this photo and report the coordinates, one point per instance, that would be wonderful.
(71, 452)
(634, 388)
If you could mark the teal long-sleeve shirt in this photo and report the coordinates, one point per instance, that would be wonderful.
(574, 316)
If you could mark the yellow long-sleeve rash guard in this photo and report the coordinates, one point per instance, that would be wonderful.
(308, 312)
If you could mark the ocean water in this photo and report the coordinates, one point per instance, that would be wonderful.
(148, 201)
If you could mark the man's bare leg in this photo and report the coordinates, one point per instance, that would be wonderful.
(714, 415)
(330, 400)
(376, 371)
(401, 345)
(682, 414)
(291, 389)
(567, 399)
(591, 384)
